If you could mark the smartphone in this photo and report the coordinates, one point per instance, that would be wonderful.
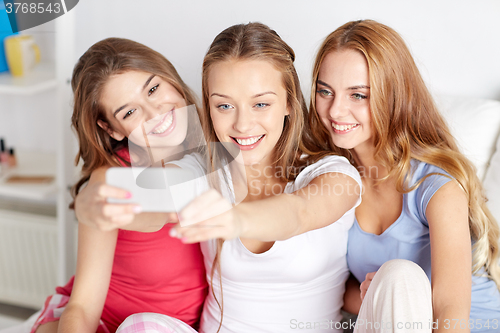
(155, 189)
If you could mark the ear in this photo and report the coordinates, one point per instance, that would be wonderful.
(115, 135)
(287, 111)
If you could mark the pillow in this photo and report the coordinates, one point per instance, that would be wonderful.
(491, 184)
(475, 124)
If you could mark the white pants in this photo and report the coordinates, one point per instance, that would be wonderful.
(153, 323)
(398, 300)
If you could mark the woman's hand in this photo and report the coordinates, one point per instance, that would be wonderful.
(366, 284)
(209, 216)
(92, 208)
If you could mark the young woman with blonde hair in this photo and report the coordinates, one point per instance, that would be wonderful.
(422, 200)
(272, 259)
(121, 86)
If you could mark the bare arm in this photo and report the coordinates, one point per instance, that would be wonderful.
(95, 260)
(352, 296)
(92, 208)
(447, 213)
(312, 207)
(323, 201)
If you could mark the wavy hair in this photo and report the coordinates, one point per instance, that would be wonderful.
(101, 61)
(407, 125)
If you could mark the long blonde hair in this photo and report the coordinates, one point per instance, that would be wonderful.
(102, 60)
(407, 125)
(257, 41)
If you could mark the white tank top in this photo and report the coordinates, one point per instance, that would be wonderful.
(298, 284)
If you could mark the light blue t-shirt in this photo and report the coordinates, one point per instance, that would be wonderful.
(408, 238)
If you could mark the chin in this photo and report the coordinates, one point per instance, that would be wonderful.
(343, 145)
(251, 161)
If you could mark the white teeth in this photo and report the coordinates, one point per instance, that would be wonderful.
(247, 142)
(166, 124)
(343, 127)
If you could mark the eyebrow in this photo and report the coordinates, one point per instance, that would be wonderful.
(361, 86)
(143, 87)
(254, 96)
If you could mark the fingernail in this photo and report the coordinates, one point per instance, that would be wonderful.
(184, 240)
(173, 232)
(137, 209)
(128, 195)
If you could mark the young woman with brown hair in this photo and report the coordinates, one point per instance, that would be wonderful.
(122, 88)
(422, 200)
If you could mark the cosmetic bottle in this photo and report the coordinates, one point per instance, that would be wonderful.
(4, 155)
(12, 160)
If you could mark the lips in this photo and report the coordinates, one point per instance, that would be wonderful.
(165, 126)
(343, 128)
(249, 142)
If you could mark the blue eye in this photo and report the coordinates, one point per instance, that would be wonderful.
(128, 113)
(153, 89)
(261, 105)
(224, 107)
(324, 92)
(358, 96)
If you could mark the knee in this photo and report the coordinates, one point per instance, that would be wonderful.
(398, 270)
(153, 322)
(128, 322)
(135, 322)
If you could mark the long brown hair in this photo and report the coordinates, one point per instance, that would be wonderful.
(102, 60)
(407, 125)
(256, 41)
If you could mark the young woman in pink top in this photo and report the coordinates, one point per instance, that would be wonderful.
(120, 85)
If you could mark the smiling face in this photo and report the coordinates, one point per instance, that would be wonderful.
(248, 104)
(138, 103)
(343, 99)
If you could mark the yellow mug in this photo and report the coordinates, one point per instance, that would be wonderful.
(22, 54)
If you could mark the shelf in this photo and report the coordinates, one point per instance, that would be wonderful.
(31, 164)
(41, 79)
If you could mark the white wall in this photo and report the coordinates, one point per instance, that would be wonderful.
(455, 43)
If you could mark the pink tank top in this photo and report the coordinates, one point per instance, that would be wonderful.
(153, 272)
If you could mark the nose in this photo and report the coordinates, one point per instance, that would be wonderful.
(244, 120)
(150, 112)
(338, 108)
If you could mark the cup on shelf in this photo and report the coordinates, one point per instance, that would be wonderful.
(22, 54)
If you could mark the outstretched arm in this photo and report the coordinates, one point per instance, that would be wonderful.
(447, 214)
(323, 201)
